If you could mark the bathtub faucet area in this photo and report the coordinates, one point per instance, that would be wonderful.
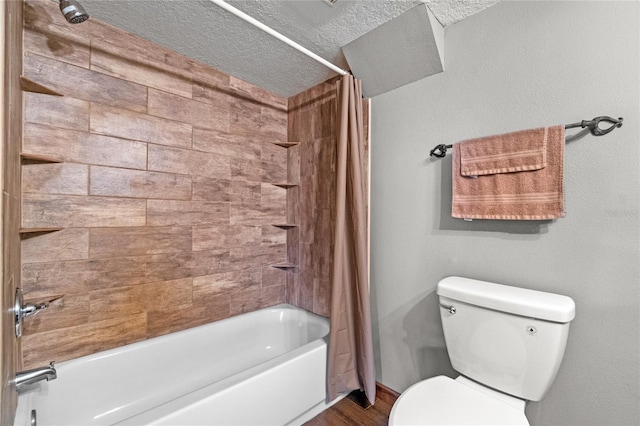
(35, 375)
(208, 375)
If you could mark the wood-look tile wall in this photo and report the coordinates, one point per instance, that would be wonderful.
(312, 122)
(10, 136)
(164, 193)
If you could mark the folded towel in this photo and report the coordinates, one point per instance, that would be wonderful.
(520, 195)
(511, 152)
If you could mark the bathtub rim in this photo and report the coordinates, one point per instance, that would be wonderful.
(62, 365)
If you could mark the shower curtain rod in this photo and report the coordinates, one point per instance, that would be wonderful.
(240, 14)
(440, 151)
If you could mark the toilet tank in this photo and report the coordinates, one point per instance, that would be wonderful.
(507, 338)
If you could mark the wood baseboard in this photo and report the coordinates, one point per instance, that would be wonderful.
(386, 394)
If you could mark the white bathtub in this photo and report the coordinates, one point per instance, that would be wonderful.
(262, 368)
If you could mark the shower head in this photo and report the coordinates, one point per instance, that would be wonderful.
(73, 11)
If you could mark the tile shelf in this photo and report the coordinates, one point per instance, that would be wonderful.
(286, 144)
(284, 265)
(36, 158)
(28, 158)
(27, 231)
(286, 185)
(31, 86)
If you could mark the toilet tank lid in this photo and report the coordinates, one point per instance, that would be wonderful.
(504, 298)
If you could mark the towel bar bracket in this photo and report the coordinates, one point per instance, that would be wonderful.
(440, 151)
(594, 125)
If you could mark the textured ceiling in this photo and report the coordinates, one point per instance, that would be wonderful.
(203, 31)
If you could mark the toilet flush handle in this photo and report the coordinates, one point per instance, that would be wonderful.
(450, 308)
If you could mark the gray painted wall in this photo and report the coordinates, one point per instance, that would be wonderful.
(518, 65)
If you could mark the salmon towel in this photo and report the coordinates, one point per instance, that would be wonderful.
(515, 176)
(513, 152)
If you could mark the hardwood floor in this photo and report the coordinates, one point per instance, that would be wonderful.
(349, 411)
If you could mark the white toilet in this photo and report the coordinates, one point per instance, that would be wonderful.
(507, 343)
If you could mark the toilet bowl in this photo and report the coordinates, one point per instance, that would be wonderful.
(445, 401)
(506, 342)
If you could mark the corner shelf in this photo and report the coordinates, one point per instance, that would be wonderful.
(27, 232)
(286, 144)
(285, 185)
(28, 158)
(284, 265)
(31, 86)
(35, 158)
(284, 225)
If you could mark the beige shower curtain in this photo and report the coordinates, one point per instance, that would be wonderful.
(350, 363)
